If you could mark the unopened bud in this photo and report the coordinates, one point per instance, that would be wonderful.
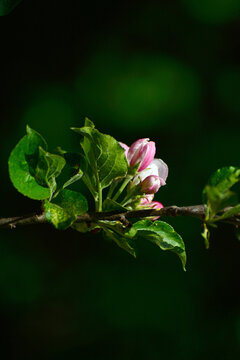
(141, 152)
(151, 184)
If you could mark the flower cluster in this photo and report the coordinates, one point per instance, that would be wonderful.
(151, 173)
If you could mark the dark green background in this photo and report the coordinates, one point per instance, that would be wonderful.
(167, 70)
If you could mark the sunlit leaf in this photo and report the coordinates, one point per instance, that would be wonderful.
(163, 235)
(228, 214)
(22, 164)
(65, 208)
(217, 194)
(105, 156)
(121, 241)
(49, 167)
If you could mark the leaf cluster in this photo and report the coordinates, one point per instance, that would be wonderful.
(220, 198)
(100, 164)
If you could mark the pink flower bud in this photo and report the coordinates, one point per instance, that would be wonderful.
(151, 184)
(156, 205)
(141, 152)
(125, 147)
(147, 199)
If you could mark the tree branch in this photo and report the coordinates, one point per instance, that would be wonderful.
(12, 222)
(196, 211)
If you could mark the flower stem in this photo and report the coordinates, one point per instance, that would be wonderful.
(99, 202)
(99, 199)
(122, 187)
(128, 198)
(112, 188)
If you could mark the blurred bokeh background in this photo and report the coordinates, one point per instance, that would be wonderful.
(167, 70)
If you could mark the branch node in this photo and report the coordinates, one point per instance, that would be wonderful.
(124, 221)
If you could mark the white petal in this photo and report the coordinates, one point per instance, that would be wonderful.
(157, 168)
(162, 168)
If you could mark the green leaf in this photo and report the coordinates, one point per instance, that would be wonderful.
(49, 167)
(217, 194)
(75, 164)
(163, 235)
(78, 161)
(228, 214)
(120, 240)
(73, 179)
(106, 158)
(57, 216)
(72, 201)
(84, 227)
(89, 123)
(22, 164)
(6, 6)
(65, 208)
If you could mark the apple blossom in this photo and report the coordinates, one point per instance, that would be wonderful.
(141, 152)
(151, 184)
(157, 168)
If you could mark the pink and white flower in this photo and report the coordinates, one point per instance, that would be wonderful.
(151, 184)
(141, 152)
(156, 168)
(151, 173)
